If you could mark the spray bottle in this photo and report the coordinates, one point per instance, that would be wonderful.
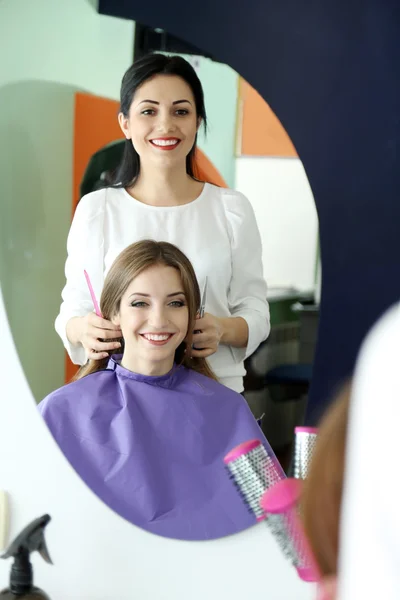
(21, 578)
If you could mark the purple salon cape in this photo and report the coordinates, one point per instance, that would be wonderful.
(152, 448)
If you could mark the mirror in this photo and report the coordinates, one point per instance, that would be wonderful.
(38, 166)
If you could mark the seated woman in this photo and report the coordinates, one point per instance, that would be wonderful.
(148, 431)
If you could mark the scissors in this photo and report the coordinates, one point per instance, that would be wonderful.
(202, 308)
(203, 299)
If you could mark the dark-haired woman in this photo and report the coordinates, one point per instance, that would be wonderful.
(156, 196)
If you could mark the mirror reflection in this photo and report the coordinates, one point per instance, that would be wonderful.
(135, 175)
(148, 429)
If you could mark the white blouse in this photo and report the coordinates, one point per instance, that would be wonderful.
(370, 525)
(218, 233)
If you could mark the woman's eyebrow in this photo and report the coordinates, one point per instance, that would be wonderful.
(148, 295)
(155, 101)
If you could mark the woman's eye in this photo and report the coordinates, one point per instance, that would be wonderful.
(138, 304)
(181, 112)
(148, 111)
(177, 303)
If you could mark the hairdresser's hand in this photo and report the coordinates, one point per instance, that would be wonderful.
(95, 334)
(206, 342)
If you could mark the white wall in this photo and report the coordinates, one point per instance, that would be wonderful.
(49, 50)
(281, 196)
(64, 41)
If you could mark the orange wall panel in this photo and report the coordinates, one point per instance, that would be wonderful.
(95, 126)
(260, 131)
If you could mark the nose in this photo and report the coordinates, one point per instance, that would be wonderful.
(158, 318)
(165, 123)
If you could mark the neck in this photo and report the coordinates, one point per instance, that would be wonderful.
(149, 368)
(165, 187)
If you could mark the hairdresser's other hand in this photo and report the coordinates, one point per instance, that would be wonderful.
(206, 342)
(95, 334)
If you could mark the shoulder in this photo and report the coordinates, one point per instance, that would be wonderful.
(227, 195)
(234, 203)
(211, 386)
(384, 332)
(95, 202)
(379, 354)
(72, 393)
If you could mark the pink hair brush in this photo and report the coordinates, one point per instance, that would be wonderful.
(304, 444)
(253, 470)
(280, 505)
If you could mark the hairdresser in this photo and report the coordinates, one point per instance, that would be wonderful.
(157, 196)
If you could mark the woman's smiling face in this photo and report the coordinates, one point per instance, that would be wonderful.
(162, 121)
(154, 319)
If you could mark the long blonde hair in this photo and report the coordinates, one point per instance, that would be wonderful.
(132, 261)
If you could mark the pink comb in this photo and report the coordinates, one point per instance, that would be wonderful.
(253, 470)
(280, 504)
(94, 300)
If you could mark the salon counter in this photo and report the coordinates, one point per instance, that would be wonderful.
(282, 301)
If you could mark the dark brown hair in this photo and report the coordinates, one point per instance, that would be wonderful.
(132, 261)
